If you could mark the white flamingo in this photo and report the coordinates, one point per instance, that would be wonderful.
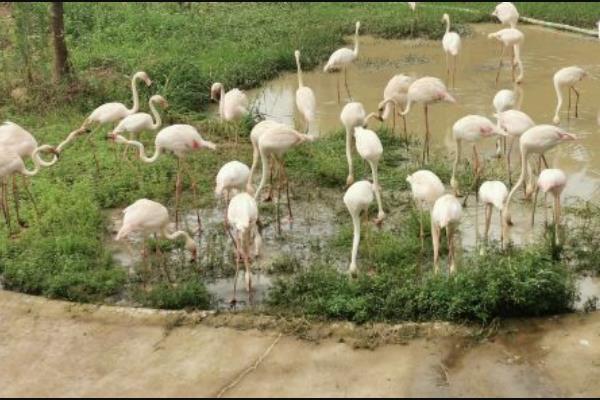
(552, 180)
(451, 45)
(514, 123)
(394, 98)
(255, 134)
(353, 115)
(507, 14)
(370, 149)
(341, 59)
(305, 97)
(233, 176)
(493, 194)
(179, 139)
(427, 90)
(569, 77)
(242, 215)
(426, 188)
(233, 105)
(149, 217)
(357, 199)
(504, 99)
(471, 129)
(510, 38)
(446, 213)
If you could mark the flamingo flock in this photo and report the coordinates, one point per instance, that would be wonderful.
(272, 140)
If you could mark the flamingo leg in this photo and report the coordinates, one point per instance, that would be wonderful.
(177, 192)
(5, 210)
(380, 213)
(543, 158)
(346, 83)
(394, 119)
(512, 63)
(287, 195)
(569, 105)
(236, 252)
(509, 151)
(435, 237)
(448, 78)
(476, 173)
(546, 210)
(500, 64)
(94, 149)
(426, 141)
(488, 220)
(576, 102)
(421, 229)
(455, 61)
(162, 260)
(195, 193)
(245, 251)
(277, 213)
(450, 238)
(535, 196)
(15, 190)
(405, 130)
(338, 88)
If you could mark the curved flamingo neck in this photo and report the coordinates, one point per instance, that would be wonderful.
(175, 235)
(524, 154)
(69, 138)
(37, 162)
(136, 97)
(157, 121)
(142, 151)
(559, 98)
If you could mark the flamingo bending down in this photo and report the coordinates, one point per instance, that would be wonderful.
(305, 97)
(426, 188)
(451, 45)
(536, 140)
(551, 180)
(149, 217)
(233, 176)
(275, 142)
(507, 14)
(357, 199)
(179, 139)
(427, 90)
(446, 213)
(514, 123)
(140, 121)
(353, 115)
(471, 128)
(513, 38)
(11, 163)
(493, 194)
(341, 59)
(568, 76)
(242, 214)
(370, 149)
(394, 98)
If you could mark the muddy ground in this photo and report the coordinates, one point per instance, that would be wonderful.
(55, 348)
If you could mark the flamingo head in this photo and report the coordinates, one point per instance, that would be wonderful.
(445, 96)
(199, 144)
(376, 115)
(215, 91)
(297, 54)
(158, 99)
(563, 135)
(190, 246)
(445, 18)
(357, 26)
(143, 76)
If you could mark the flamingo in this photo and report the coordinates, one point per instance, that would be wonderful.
(427, 90)
(275, 142)
(451, 45)
(507, 14)
(140, 121)
(510, 37)
(370, 149)
(242, 213)
(426, 188)
(514, 123)
(109, 113)
(413, 7)
(23, 143)
(551, 180)
(179, 139)
(233, 105)
(341, 59)
(149, 217)
(394, 98)
(446, 213)
(568, 76)
(305, 97)
(255, 134)
(353, 115)
(357, 198)
(503, 100)
(536, 140)
(471, 128)
(232, 176)
(11, 163)
(493, 194)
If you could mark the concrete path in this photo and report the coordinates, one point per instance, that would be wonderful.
(54, 348)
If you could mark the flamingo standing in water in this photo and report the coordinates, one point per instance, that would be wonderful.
(514, 123)
(109, 113)
(233, 105)
(136, 123)
(426, 188)
(275, 142)
(179, 139)
(394, 98)
(357, 199)
(446, 213)
(242, 214)
(11, 163)
(510, 38)
(233, 176)
(427, 90)
(341, 59)
(370, 149)
(568, 76)
(353, 115)
(451, 45)
(493, 194)
(536, 140)
(551, 180)
(149, 217)
(471, 128)
(507, 14)
(305, 97)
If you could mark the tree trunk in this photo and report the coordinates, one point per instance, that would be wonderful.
(62, 67)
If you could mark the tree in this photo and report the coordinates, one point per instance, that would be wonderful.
(62, 66)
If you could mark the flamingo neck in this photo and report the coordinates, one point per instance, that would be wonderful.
(264, 160)
(388, 105)
(517, 51)
(69, 138)
(516, 185)
(356, 43)
(136, 97)
(157, 121)
(221, 102)
(175, 235)
(407, 109)
(559, 98)
(300, 82)
(37, 162)
(448, 25)
(356, 237)
(453, 182)
(142, 151)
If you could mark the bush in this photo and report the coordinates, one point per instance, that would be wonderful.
(191, 294)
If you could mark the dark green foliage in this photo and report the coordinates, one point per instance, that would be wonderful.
(190, 294)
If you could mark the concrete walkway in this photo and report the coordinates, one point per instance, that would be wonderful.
(54, 348)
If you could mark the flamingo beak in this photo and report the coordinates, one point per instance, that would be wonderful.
(148, 82)
(567, 136)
